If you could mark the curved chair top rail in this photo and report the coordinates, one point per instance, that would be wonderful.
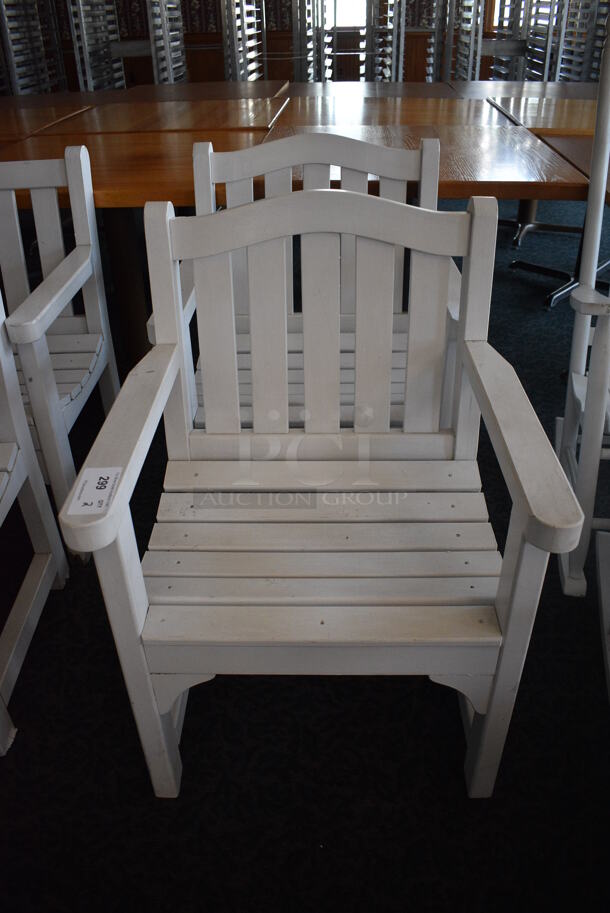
(317, 149)
(312, 211)
(42, 173)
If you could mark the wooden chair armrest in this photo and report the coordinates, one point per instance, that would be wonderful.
(532, 472)
(34, 316)
(122, 443)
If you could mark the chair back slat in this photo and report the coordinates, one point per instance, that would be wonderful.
(268, 336)
(216, 328)
(238, 194)
(426, 352)
(374, 320)
(391, 189)
(316, 177)
(358, 182)
(12, 258)
(49, 234)
(320, 278)
(277, 184)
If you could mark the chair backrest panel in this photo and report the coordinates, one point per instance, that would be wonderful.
(258, 377)
(322, 158)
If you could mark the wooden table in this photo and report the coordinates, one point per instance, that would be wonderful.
(326, 111)
(198, 91)
(488, 88)
(370, 89)
(160, 116)
(129, 169)
(551, 116)
(577, 150)
(18, 121)
(505, 162)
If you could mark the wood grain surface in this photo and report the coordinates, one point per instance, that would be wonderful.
(506, 162)
(551, 116)
(356, 110)
(129, 169)
(205, 114)
(18, 121)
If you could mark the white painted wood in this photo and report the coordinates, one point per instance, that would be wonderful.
(345, 445)
(332, 475)
(48, 567)
(268, 306)
(47, 413)
(315, 148)
(316, 176)
(530, 467)
(324, 551)
(249, 507)
(278, 183)
(52, 406)
(12, 257)
(320, 281)
(170, 327)
(521, 581)
(124, 442)
(443, 233)
(305, 591)
(47, 221)
(277, 625)
(38, 311)
(358, 182)
(374, 311)
(323, 658)
(428, 296)
(476, 688)
(31, 174)
(216, 328)
(375, 537)
(484, 563)
(118, 567)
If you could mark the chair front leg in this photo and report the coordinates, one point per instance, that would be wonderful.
(122, 582)
(48, 417)
(521, 579)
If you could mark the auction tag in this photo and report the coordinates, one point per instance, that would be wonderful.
(95, 490)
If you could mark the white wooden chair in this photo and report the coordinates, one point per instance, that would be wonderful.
(61, 356)
(20, 477)
(583, 434)
(322, 550)
(316, 159)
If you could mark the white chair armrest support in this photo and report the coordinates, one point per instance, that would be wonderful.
(34, 316)
(589, 301)
(187, 283)
(530, 467)
(124, 441)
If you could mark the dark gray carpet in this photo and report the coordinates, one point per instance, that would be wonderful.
(316, 794)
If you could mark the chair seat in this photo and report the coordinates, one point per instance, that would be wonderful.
(225, 570)
(73, 356)
(296, 390)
